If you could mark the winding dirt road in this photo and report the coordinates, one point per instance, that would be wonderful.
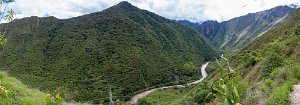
(295, 95)
(135, 98)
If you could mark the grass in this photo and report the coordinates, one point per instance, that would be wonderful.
(281, 95)
(168, 97)
(184, 96)
(18, 93)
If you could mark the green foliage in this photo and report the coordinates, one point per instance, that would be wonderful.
(186, 96)
(226, 86)
(6, 14)
(281, 95)
(296, 71)
(297, 30)
(273, 61)
(204, 96)
(234, 34)
(144, 102)
(13, 92)
(54, 99)
(189, 66)
(122, 47)
(3, 91)
(277, 55)
(250, 59)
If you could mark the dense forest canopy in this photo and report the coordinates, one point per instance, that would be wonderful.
(123, 48)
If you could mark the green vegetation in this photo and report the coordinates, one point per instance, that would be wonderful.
(276, 67)
(268, 68)
(234, 34)
(123, 48)
(13, 92)
(297, 30)
(226, 86)
(186, 96)
(280, 96)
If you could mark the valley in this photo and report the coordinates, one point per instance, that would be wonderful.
(135, 98)
(129, 53)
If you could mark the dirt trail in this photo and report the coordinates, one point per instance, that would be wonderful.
(135, 98)
(295, 95)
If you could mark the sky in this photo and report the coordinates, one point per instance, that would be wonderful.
(193, 10)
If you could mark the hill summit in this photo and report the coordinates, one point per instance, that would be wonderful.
(123, 48)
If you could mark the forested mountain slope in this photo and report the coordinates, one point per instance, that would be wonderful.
(123, 48)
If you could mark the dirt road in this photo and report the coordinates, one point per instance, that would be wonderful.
(135, 98)
(295, 95)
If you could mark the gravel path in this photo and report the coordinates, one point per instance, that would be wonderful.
(295, 95)
(135, 98)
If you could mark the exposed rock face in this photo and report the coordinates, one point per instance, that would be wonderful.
(237, 32)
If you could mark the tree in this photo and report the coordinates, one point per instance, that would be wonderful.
(5, 15)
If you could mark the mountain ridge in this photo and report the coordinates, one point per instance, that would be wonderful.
(239, 31)
(122, 47)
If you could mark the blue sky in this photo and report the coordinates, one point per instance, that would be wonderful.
(194, 10)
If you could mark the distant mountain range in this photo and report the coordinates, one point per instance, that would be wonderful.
(237, 32)
(123, 48)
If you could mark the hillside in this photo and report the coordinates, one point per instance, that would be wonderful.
(123, 48)
(13, 92)
(268, 68)
(237, 32)
(271, 63)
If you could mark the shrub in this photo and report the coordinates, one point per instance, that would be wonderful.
(273, 61)
(296, 71)
(203, 96)
(297, 30)
(54, 99)
(143, 102)
(250, 59)
(3, 91)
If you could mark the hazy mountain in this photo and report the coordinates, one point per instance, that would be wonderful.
(189, 23)
(123, 48)
(237, 32)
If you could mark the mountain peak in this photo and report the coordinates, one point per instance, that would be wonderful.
(124, 3)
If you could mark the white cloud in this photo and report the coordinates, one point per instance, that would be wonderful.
(194, 10)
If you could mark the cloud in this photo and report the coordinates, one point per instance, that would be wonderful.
(194, 10)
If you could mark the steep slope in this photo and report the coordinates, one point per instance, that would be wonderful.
(13, 92)
(188, 23)
(268, 68)
(237, 32)
(271, 63)
(123, 48)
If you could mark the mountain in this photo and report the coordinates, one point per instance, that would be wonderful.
(237, 32)
(271, 63)
(188, 23)
(123, 48)
(267, 68)
(208, 28)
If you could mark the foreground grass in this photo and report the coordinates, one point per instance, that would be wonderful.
(18, 93)
(281, 95)
(167, 97)
(184, 96)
